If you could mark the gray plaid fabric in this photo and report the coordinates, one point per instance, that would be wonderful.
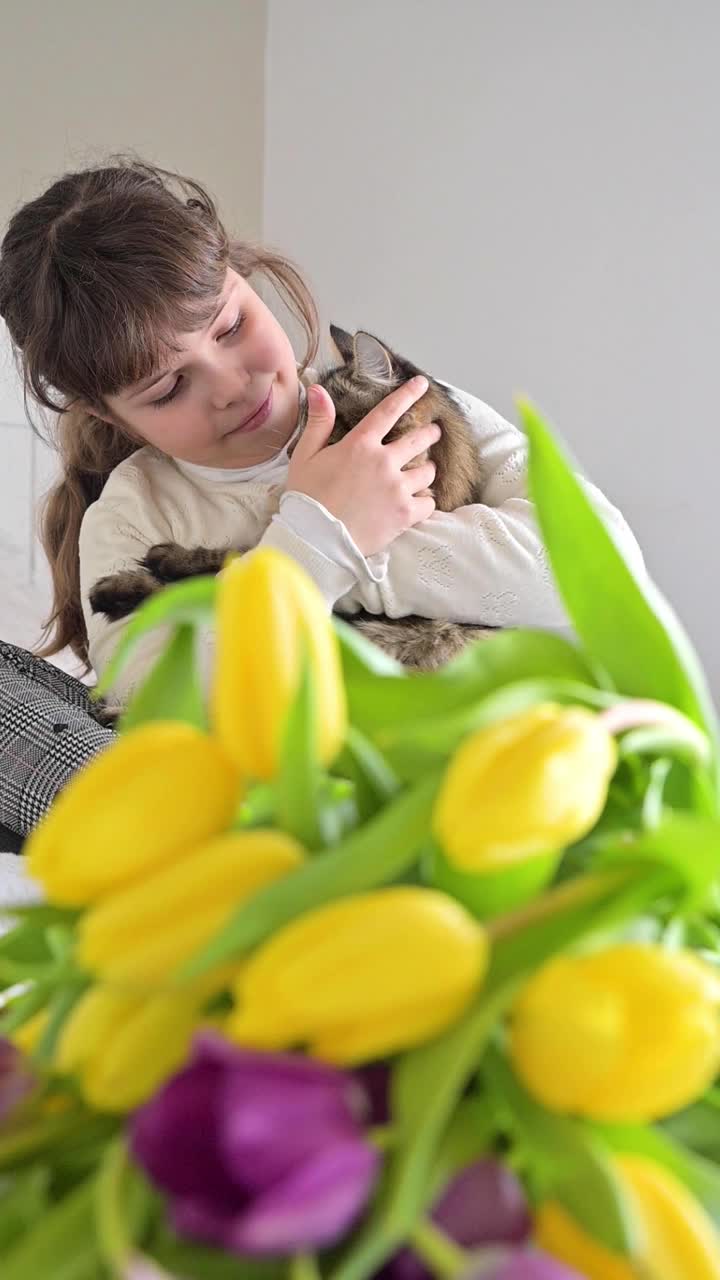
(47, 732)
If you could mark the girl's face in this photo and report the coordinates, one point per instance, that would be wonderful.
(230, 398)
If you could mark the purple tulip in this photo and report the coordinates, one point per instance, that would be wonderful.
(484, 1204)
(258, 1152)
(16, 1078)
(521, 1264)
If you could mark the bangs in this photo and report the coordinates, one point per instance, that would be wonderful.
(116, 312)
(117, 342)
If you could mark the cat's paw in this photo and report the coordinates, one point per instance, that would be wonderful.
(168, 562)
(119, 594)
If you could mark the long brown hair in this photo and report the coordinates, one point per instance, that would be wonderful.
(96, 276)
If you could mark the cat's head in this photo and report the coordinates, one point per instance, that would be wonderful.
(366, 371)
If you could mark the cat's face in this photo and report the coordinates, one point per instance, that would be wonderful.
(366, 372)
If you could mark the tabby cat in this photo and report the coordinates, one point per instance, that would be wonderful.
(367, 372)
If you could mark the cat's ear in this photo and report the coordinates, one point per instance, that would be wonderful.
(372, 359)
(343, 343)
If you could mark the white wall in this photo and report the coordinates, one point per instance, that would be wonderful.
(180, 82)
(525, 195)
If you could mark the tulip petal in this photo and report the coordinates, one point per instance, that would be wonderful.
(269, 614)
(175, 1137)
(317, 981)
(155, 792)
(530, 784)
(144, 932)
(312, 1207)
(269, 1127)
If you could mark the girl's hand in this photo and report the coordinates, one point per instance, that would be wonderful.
(360, 480)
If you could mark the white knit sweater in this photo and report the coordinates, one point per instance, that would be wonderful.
(483, 563)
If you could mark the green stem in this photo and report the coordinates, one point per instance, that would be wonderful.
(383, 1137)
(573, 893)
(303, 1266)
(113, 1235)
(444, 1258)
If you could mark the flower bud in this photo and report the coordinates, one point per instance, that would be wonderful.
(156, 791)
(144, 933)
(676, 1238)
(258, 1153)
(363, 977)
(122, 1046)
(271, 618)
(524, 786)
(627, 1033)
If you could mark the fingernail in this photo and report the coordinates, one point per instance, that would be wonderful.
(418, 383)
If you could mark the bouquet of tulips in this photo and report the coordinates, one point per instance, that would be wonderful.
(346, 972)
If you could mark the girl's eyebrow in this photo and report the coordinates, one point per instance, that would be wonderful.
(149, 382)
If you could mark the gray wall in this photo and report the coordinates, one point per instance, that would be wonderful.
(525, 195)
(180, 82)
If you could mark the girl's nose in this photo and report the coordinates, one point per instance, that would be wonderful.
(228, 385)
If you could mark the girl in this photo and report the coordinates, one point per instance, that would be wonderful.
(136, 319)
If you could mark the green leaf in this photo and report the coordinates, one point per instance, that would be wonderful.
(415, 746)
(686, 844)
(191, 601)
(366, 767)
(427, 1084)
(172, 690)
(374, 854)
(380, 702)
(574, 1166)
(698, 1126)
(575, 908)
(24, 1007)
(22, 1204)
(360, 657)
(61, 1006)
(124, 1202)
(30, 1137)
(298, 783)
(65, 1230)
(625, 626)
(495, 892)
(182, 1259)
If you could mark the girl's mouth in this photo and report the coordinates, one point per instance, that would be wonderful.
(256, 419)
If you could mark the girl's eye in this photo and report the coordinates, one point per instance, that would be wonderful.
(157, 404)
(236, 326)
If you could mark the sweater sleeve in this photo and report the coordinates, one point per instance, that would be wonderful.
(485, 563)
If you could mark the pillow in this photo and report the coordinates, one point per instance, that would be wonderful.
(48, 730)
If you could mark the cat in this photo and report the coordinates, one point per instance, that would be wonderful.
(367, 370)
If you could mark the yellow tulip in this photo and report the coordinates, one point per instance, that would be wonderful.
(558, 1234)
(525, 786)
(362, 978)
(28, 1036)
(627, 1033)
(157, 791)
(143, 933)
(122, 1047)
(676, 1238)
(269, 616)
